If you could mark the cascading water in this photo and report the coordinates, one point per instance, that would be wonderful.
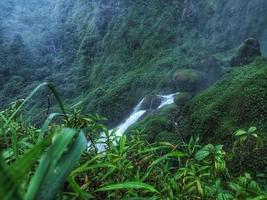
(166, 99)
(135, 116)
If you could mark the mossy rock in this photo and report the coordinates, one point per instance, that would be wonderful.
(183, 98)
(247, 52)
(150, 102)
(188, 80)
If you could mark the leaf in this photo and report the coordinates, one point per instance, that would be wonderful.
(90, 167)
(56, 164)
(153, 149)
(224, 196)
(252, 129)
(175, 154)
(52, 89)
(122, 144)
(235, 186)
(128, 185)
(199, 188)
(77, 189)
(46, 125)
(24, 102)
(240, 132)
(204, 152)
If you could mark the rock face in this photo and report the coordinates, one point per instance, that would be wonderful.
(150, 102)
(188, 80)
(247, 52)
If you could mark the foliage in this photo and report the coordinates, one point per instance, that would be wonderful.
(112, 167)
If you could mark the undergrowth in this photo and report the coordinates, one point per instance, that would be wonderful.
(55, 162)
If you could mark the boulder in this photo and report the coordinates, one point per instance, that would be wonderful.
(188, 80)
(247, 52)
(150, 102)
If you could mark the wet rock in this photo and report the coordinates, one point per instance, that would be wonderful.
(247, 52)
(151, 102)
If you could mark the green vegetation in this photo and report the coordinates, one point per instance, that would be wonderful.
(51, 163)
(237, 101)
(105, 56)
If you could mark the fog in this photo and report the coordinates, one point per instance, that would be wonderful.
(32, 20)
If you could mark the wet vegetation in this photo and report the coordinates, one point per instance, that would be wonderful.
(106, 56)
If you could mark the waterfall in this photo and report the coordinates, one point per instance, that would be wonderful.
(135, 116)
(166, 99)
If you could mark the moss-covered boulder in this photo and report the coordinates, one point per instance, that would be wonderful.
(188, 80)
(247, 52)
(183, 98)
(239, 100)
(150, 102)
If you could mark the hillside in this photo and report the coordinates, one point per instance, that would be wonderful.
(112, 55)
(130, 99)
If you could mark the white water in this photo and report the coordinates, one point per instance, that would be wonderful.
(166, 100)
(135, 116)
(137, 113)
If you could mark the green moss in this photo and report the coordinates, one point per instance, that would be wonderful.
(239, 100)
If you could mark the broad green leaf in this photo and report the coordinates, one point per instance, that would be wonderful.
(56, 164)
(128, 185)
(204, 152)
(252, 129)
(240, 132)
(53, 183)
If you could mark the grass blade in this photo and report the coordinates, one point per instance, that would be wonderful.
(174, 154)
(128, 185)
(55, 165)
(46, 125)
